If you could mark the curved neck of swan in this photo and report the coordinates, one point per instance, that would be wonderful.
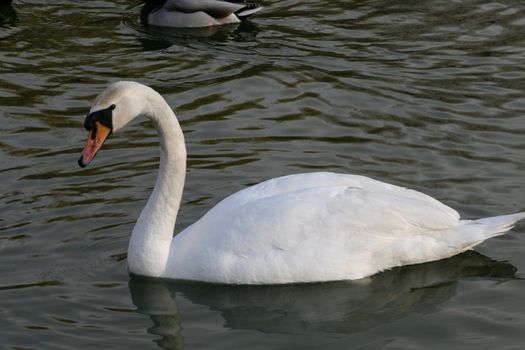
(152, 235)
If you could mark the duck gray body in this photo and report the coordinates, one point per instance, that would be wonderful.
(195, 13)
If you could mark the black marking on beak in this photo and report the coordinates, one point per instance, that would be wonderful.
(103, 116)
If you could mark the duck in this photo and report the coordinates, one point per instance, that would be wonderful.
(298, 228)
(194, 13)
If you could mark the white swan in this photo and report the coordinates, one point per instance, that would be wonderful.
(194, 13)
(299, 228)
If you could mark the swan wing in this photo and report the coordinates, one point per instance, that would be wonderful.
(312, 227)
(440, 217)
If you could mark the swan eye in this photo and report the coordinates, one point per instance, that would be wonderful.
(103, 116)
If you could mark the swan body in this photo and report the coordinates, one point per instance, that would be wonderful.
(299, 228)
(195, 13)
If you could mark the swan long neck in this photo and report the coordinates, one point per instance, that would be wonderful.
(152, 235)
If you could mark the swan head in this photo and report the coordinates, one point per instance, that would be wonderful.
(116, 106)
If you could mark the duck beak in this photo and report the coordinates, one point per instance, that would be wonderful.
(96, 137)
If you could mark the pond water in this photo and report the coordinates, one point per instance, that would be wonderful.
(423, 94)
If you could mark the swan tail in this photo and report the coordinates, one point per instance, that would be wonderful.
(473, 232)
(498, 225)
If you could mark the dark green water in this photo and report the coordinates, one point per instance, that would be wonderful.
(423, 94)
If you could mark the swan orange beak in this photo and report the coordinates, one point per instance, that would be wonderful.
(96, 137)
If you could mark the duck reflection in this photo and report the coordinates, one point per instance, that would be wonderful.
(7, 13)
(339, 307)
(246, 30)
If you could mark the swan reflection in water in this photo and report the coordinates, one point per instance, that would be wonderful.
(330, 308)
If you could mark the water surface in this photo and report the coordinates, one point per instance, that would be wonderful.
(423, 94)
